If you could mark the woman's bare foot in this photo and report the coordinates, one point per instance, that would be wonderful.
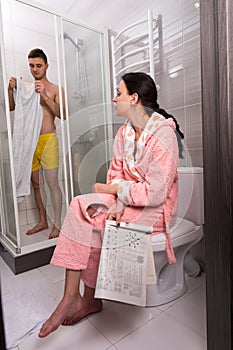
(69, 312)
(39, 227)
(54, 233)
(88, 308)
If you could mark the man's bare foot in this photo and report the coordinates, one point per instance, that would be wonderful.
(69, 312)
(54, 233)
(39, 227)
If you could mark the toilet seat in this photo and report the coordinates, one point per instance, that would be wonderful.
(182, 232)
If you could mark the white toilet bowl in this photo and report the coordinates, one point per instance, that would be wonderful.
(187, 231)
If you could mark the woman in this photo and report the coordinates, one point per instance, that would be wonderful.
(141, 188)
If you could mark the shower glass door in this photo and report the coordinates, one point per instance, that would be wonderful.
(38, 30)
(84, 66)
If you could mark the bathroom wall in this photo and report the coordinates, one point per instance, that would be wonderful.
(179, 75)
(179, 78)
(177, 69)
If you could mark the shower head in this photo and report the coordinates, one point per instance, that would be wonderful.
(78, 42)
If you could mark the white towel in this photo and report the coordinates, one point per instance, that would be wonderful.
(25, 310)
(27, 124)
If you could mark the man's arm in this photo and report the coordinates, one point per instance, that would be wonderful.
(11, 86)
(57, 100)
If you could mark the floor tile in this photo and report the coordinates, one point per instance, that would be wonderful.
(118, 319)
(191, 311)
(53, 273)
(179, 325)
(162, 333)
(6, 275)
(59, 287)
(82, 336)
(192, 284)
(19, 281)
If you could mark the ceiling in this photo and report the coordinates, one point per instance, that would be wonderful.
(101, 14)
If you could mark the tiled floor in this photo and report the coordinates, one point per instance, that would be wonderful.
(179, 325)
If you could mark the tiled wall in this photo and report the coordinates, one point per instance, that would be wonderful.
(179, 77)
(178, 70)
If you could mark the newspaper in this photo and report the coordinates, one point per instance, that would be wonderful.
(126, 263)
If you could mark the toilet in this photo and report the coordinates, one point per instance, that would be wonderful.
(187, 231)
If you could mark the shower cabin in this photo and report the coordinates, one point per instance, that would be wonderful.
(77, 64)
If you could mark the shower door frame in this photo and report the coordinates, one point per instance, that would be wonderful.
(4, 239)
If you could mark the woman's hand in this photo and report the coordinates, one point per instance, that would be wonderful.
(103, 188)
(116, 212)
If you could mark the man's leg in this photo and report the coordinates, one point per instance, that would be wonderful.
(51, 176)
(39, 193)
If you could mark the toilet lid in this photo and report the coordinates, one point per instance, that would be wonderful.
(180, 228)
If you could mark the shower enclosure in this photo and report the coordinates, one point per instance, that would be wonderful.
(78, 65)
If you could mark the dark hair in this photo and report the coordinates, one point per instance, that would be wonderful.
(34, 53)
(145, 87)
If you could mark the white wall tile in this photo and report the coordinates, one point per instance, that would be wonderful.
(32, 216)
(22, 217)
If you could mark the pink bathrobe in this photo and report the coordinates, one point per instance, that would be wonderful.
(147, 185)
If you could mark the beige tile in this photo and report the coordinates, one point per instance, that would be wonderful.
(171, 94)
(22, 205)
(82, 335)
(32, 216)
(193, 137)
(165, 333)
(117, 320)
(53, 273)
(191, 311)
(191, 47)
(179, 114)
(192, 82)
(22, 217)
(30, 201)
(196, 157)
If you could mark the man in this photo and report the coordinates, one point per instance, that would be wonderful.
(46, 153)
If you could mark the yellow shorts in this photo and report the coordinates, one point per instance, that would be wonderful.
(46, 153)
